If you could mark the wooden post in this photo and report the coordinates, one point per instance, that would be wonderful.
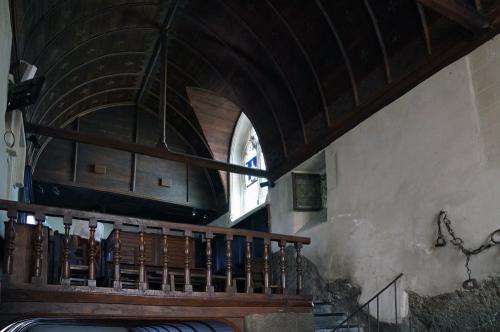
(143, 285)
(267, 289)
(298, 248)
(91, 282)
(11, 233)
(209, 236)
(187, 259)
(37, 275)
(282, 246)
(230, 288)
(67, 220)
(117, 256)
(248, 265)
(164, 284)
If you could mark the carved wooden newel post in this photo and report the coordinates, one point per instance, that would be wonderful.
(282, 246)
(143, 285)
(187, 260)
(11, 234)
(298, 248)
(267, 289)
(91, 282)
(117, 256)
(164, 281)
(248, 265)
(67, 220)
(230, 288)
(37, 270)
(209, 288)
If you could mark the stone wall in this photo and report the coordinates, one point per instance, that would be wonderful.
(434, 148)
(289, 322)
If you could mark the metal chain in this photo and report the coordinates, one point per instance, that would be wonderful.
(459, 243)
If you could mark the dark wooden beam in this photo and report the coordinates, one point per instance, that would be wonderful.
(459, 12)
(151, 151)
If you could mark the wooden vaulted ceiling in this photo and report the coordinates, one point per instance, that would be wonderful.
(304, 72)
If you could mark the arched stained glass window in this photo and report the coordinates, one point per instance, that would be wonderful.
(246, 192)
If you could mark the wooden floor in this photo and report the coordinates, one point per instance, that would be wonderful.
(22, 301)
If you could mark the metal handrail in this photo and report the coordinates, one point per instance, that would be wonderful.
(367, 304)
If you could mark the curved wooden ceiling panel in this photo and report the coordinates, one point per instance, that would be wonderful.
(304, 72)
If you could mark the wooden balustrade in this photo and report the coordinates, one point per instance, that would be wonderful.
(67, 221)
(11, 238)
(298, 260)
(92, 252)
(164, 283)
(187, 261)
(117, 256)
(165, 272)
(38, 243)
(142, 259)
(267, 283)
(248, 265)
(208, 238)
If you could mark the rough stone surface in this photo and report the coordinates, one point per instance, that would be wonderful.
(341, 292)
(313, 283)
(289, 322)
(476, 310)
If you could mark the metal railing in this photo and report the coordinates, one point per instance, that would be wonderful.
(364, 310)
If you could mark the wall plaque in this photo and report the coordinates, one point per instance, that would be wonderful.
(306, 192)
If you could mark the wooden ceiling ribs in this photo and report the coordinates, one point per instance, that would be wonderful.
(341, 46)
(306, 58)
(304, 72)
(159, 46)
(76, 88)
(101, 92)
(380, 40)
(85, 19)
(425, 28)
(276, 66)
(47, 89)
(248, 71)
(459, 12)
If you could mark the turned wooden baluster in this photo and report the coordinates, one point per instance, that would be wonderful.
(67, 221)
(298, 248)
(11, 233)
(267, 289)
(91, 282)
(164, 283)
(209, 236)
(282, 246)
(37, 271)
(248, 265)
(230, 288)
(187, 260)
(117, 256)
(143, 285)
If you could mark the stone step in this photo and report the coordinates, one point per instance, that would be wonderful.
(324, 308)
(342, 329)
(328, 320)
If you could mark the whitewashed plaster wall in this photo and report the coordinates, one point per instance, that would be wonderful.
(437, 147)
(5, 48)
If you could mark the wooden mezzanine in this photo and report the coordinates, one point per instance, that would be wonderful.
(177, 292)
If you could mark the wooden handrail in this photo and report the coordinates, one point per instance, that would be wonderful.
(139, 246)
(148, 223)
